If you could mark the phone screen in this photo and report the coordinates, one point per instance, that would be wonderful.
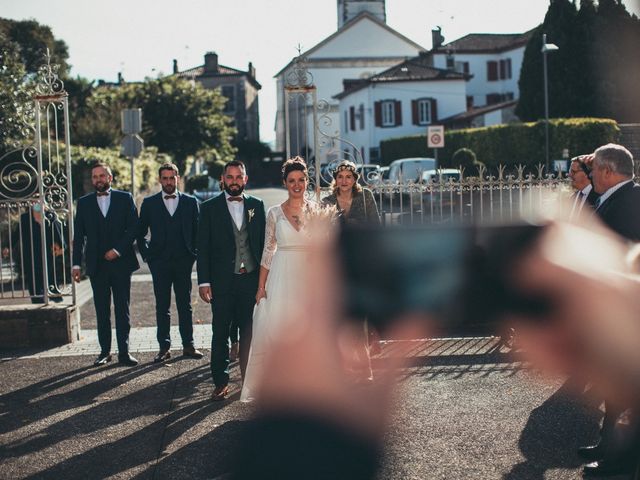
(457, 274)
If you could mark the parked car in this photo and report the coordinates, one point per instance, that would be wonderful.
(369, 174)
(406, 170)
(442, 175)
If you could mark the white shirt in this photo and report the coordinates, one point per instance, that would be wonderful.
(580, 199)
(103, 202)
(610, 192)
(171, 203)
(236, 210)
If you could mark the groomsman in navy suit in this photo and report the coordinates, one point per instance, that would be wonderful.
(172, 217)
(104, 231)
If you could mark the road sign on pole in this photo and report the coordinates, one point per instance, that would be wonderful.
(435, 136)
(131, 121)
(132, 146)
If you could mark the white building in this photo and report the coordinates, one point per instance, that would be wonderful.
(494, 61)
(362, 46)
(403, 100)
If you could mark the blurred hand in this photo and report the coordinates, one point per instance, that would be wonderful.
(313, 351)
(111, 255)
(75, 274)
(206, 294)
(260, 294)
(56, 250)
(593, 330)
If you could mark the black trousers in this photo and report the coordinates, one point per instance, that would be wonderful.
(165, 273)
(109, 280)
(235, 306)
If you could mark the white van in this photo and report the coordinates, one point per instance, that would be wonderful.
(406, 170)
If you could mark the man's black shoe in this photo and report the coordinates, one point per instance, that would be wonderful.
(162, 356)
(127, 360)
(102, 359)
(592, 453)
(605, 468)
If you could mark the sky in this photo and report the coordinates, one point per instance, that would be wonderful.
(140, 38)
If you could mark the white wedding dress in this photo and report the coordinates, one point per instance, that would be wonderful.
(284, 254)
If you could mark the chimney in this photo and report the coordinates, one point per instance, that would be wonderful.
(436, 37)
(175, 66)
(252, 70)
(211, 62)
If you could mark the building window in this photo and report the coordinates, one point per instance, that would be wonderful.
(451, 62)
(388, 114)
(492, 70)
(361, 115)
(493, 98)
(352, 118)
(469, 102)
(374, 154)
(505, 69)
(465, 67)
(229, 91)
(424, 112)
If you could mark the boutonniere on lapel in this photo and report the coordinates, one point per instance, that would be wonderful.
(251, 212)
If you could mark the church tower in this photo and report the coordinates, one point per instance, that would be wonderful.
(348, 9)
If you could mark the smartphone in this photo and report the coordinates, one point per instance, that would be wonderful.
(458, 275)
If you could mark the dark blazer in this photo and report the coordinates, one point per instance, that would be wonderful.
(153, 214)
(216, 241)
(621, 211)
(122, 224)
(31, 245)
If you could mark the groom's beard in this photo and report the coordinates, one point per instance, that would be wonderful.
(234, 190)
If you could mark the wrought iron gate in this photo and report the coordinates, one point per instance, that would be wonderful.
(36, 209)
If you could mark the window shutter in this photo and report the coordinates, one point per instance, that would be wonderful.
(465, 67)
(492, 70)
(415, 116)
(377, 113)
(508, 62)
(352, 118)
(434, 110)
(398, 107)
(503, 69)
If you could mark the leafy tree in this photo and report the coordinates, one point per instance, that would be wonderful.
(180, 118)
(33, 40)
(14, 96)
(595, 72)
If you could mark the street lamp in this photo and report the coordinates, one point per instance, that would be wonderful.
(546, 47)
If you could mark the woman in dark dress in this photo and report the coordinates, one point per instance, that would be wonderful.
(356, 205)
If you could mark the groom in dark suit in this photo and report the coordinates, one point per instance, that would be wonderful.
(230, 241)
(172, 217)
(104, 230)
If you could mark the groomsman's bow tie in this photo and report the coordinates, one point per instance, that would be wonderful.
(167, 197)
(102, 194)
(235, 199)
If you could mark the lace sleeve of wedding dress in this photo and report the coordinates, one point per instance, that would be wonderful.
(270, 244)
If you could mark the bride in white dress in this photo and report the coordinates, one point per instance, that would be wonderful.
(283, 258)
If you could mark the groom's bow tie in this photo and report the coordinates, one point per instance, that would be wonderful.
(167, 197)
(235, 199)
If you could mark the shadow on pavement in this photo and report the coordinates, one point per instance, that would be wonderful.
(114, 421)
(553, 433)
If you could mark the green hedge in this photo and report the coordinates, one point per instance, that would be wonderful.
(511, 144)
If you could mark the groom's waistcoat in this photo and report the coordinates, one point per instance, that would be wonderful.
(244, 257)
